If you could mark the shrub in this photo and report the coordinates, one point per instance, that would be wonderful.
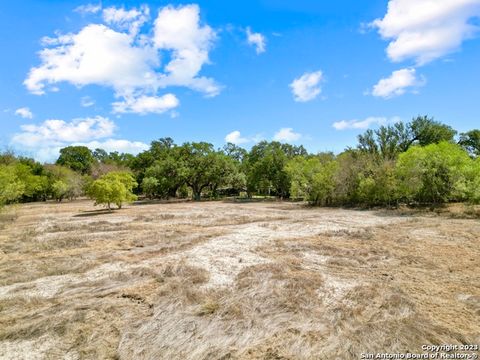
(113, 188)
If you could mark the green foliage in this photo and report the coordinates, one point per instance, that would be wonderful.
(11, 186)
(150, 187)
(389, 141)
(65, 183)
(59, 189)
(266, 169)
(379, 186)
(77, 158)
(433, 174)
(470, 141)
(312, 179)
(426, 131)
(203, 167)
(113, 188)
(472, 184)
(168, 173)
(415, 162)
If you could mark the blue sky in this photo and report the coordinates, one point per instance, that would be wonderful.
(118, 75)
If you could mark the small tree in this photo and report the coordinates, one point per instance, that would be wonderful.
(312, 179)
(11, 187)
(113, 188)
(59, 190)
(433, 174)
(150, 187)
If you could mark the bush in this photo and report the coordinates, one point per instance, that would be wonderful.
(11, 187)
(312, 179)
(435, 173)
(113, 188)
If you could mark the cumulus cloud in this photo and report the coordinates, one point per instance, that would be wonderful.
(146, 104)
(286, 134)
(425, 30)
(131, 20)
(24, 112)
(236, 138)
(45, 140)
(96, 55)
(117, 55)
(179, 30)
(59, 131)
(399, 82)
(307, 86)
(257, 40)
(88, 9)
(363, 124)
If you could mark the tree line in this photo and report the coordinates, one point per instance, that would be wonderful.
(419, 162)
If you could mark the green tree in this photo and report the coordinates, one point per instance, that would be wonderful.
(77, 158)
(113, 188)
(312, 179)
(35, 186)
(425, 131)
(472, 188)
(266, 169)
(169, 173)
(150, 187)
(11, 187)
(159, 150)
(433, 174)
(379, 185)
(65, 183)
(203, 167)
(388, 141)
(235, 152)
(470, 141)
(59, 190)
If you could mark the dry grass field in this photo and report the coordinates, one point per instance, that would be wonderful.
(220, 280)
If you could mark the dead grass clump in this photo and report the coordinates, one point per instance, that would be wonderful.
(281, 287)
(188, 274)
(208, 308)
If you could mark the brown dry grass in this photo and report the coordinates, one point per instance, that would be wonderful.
(233, 281)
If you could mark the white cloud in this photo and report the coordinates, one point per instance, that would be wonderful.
(236, 138)
(131, 20)
(425, 30)
(397, 83)
(257, 40)
(179, 30)
(307, 86)
(24, 112)
(96, 55)
(286, 134)
(88, 9)
(58, 131)
(87, 101)
(363, 124)
(146, 104)
(127, 61)
(45, 140)
(109, 145)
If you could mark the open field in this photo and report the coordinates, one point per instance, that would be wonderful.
(219, 280)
